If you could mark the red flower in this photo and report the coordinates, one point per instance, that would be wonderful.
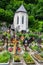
(19, 48)
(10, 49)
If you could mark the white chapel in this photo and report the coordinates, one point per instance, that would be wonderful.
(21, 19)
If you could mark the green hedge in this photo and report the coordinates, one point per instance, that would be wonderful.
(33, 35)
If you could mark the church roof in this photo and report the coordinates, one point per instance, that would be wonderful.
(21, 9)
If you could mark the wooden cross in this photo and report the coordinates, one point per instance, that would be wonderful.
(15, 41)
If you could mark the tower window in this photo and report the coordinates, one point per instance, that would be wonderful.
(22, 19)
(17, 20)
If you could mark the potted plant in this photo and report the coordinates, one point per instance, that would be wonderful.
(17, 60)
(28, 59)
(4, 58)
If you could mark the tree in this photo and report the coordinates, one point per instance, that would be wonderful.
(14, 5)
(39, 14)
(3, 3)
(31, 21)
(34, 9)
(2, 14)
(6, 15)
(31, 1)
(29, 8)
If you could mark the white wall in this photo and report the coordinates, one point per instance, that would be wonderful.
(22, 26)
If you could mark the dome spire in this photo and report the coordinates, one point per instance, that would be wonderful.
(21, 9)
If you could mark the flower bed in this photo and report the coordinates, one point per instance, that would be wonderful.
(4, 58)
(38, 57)
(17, 60)
(28, 59)
(35, 48)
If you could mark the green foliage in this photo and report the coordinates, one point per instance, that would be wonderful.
(1, 43)
(34, 9)
(41, 36)
(33, 35)
(16, 58)
(41, 54)
(31, 20)
(36, 48)
(19, 34)
(14, 5)
(3, 3)
(40, 26)
(4, 57)
(6, 15)
(28, 59)
(2, 14)
(7, 35)
(31, 1)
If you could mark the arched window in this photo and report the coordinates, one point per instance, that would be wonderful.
(22, 19)
(17, 19)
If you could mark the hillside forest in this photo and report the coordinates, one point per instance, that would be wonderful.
(34, 9)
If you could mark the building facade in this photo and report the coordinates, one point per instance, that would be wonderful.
(21, 19)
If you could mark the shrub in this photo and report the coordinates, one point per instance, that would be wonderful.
(5, 57)
(33, 35)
